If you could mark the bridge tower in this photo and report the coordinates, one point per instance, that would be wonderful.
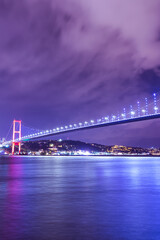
(17, 133)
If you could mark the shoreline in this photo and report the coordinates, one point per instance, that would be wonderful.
(79, 156)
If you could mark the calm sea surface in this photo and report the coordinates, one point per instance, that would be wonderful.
(76, 198)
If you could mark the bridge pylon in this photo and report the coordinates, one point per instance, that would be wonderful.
(17, 133)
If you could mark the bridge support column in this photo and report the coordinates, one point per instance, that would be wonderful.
(16, 132)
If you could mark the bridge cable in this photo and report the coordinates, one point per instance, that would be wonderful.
(9, 131)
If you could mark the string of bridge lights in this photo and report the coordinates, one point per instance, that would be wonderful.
(139, 112)
(132, 114)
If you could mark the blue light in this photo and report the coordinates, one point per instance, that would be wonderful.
(155, 103)
(146, 101)
(139, 113)
(124, 112)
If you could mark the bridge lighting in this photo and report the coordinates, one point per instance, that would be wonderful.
(138, 106)
(143, 111)
(146, 101)
(131, 112)
(124, 112)
(155, 102)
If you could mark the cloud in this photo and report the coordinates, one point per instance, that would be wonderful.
(137, 20)
(76, 60)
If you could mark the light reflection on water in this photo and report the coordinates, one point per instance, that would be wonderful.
(79, 198)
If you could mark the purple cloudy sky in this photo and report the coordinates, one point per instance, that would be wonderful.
(66, 61)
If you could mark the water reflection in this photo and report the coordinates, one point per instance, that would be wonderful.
(13, 209)
(80, 198)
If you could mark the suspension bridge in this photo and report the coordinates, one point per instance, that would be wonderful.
(147, 109)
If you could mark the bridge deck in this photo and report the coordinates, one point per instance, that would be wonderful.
(86, 127)
(104, 124)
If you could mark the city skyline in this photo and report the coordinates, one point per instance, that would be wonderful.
(70, 63)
